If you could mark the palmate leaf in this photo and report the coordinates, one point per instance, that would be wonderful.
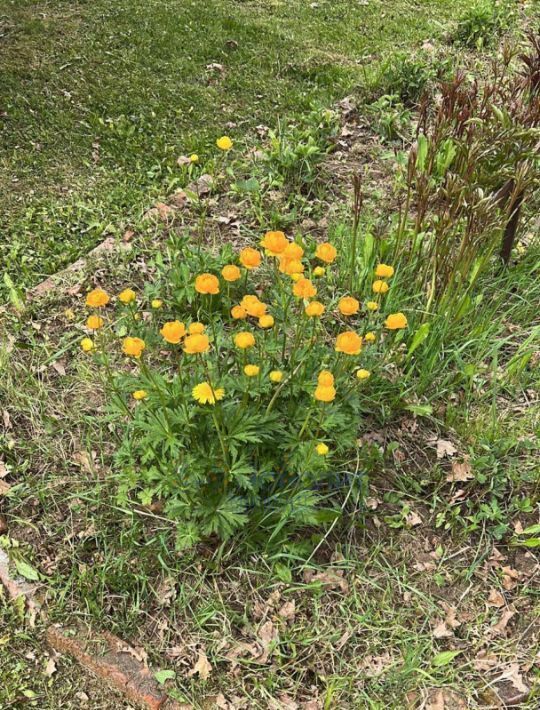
(228, 515)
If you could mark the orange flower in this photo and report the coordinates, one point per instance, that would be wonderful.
(94, 322)
(383, 271)
(349, 343)
(173, 331)
(231, 272)
(303, 288)
(196, 344)
(290, 267)
(293, 251)
(326, 252)
(325, 378)
(266, 321)
(128, 295)
(315, 309)
(207, 284)
(253, 306)
(196, 328)
(396, 321)
(244, 340)
(348, 306)
(97, 298)
(238, 312)
(250, 258)
(274, 243)
(325, 393)
(380, 286)
(133, 347)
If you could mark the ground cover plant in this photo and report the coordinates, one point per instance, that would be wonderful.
(272, 514)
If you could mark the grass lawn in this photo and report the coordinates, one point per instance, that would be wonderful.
(98, 99)
(425, 592)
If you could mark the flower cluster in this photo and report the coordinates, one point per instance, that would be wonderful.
(252, 378)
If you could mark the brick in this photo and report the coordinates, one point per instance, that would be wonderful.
(114, 662)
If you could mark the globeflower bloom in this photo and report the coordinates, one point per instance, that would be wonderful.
(133, 347)
(266, 321)
(224, 143)
(293, 251)
(207, 284)
(250, 258)
(128, 295)
(396, 321)
(325, 378)
(196, 328)
(363, 374)
(173, 331)
(253, 306)
(372, 306)
(251, 370)
(383, 271)
(87, 345)
(326, 252)
(303, 288)
(380, 286)
(156, 303)
(244, 340)
(196, 344)
(140, 394)
(349, 343)
(97, 298)
(325, 393)
(322, 449)
(348, 306)
(276, 376)
(291, 267)
(94, 322)
(315, 309)
(204, 393)
(231, 272)
(274, 243)
(370, 337)
(319, 271)
(238, 312)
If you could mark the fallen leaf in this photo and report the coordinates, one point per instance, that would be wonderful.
(441, 631)
(496, 599)
(499, 628)
(267, 637)
(60, 367)
(4, 488)
(413, 519)
(202, 667)
(444, 699)
(461, 471)
(445, 448)
(50, 668)
(329, 579)
(3, 469)
(288, 610)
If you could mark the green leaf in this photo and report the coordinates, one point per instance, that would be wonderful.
(164, 675)
(444, 658)
(26, 570)
(283, 573)
(422, 410)
(532, 530)
(531, 542)
(418, 338)
(15, 295)
(421, 156)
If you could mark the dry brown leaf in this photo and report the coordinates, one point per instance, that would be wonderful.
(288, 610)
(3, 469)
(60, 367)
(376, 665)
(413, 519)
(445, 448)
(50, 668)
(441, 631)
(461, 471)
(4, 488)
(267, 638)
(496, 599)
(510, 578)
(485, 661)
(444, 699)
(202, 667)
(329, 579)
(501, 625)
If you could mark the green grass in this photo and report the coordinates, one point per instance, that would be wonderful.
(99, 98)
